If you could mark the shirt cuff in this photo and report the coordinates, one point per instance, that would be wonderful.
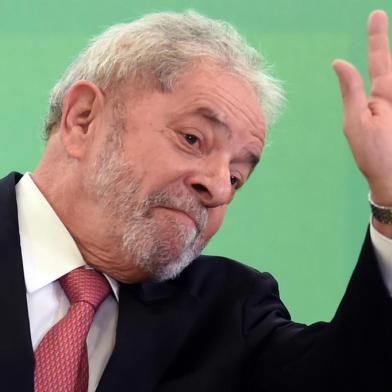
(383, 250)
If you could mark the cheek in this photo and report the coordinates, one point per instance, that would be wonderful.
(215, 220)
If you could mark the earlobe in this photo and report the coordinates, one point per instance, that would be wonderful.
(82, 105)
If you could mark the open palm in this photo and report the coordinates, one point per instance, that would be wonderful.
(368, 119)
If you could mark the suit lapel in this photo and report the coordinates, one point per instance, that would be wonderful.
(16, 352)
(154, 320)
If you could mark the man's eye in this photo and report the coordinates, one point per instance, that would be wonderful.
(235, 181)
(191, 139)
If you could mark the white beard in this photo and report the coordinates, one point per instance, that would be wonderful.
(160, 247)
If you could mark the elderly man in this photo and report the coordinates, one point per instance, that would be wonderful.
(150, 133)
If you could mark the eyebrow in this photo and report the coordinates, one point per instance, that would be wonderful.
(215, 119)
(250, 158)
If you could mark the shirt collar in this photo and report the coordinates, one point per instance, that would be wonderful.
(48, 249)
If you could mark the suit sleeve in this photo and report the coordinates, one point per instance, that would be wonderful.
(351, 353)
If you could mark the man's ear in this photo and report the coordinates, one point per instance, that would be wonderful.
(83, 103)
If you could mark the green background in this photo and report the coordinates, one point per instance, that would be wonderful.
(304, 213)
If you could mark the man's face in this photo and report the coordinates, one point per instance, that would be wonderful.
(169, 167)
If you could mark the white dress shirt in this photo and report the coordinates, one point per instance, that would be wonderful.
(383, 250)
(49, 252)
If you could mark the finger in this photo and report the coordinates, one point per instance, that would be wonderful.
(352, 89)
(379, 57)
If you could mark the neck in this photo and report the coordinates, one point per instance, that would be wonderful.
(91, 233)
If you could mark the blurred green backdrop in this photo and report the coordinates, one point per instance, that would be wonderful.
(304, 213)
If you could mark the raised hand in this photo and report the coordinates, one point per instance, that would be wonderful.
(368, 119)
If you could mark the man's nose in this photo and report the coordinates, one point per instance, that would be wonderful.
(212, 185)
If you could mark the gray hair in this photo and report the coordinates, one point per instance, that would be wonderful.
(164, 44)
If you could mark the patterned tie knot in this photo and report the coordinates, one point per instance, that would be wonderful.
(85, 285)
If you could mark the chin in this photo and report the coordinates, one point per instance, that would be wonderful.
(162, 249)
(167, 261)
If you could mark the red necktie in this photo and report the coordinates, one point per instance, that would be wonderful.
(61, 362)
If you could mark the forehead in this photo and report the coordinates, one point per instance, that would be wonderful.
(220, 96)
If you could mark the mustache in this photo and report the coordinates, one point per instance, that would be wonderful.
(178, 200)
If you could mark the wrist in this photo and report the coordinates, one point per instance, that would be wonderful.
(381, 217)
(381, 195)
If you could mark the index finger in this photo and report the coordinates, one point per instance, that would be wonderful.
(378, 45)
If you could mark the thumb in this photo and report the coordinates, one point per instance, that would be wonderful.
(352, 88)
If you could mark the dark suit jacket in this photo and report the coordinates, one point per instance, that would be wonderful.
(219, 327)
